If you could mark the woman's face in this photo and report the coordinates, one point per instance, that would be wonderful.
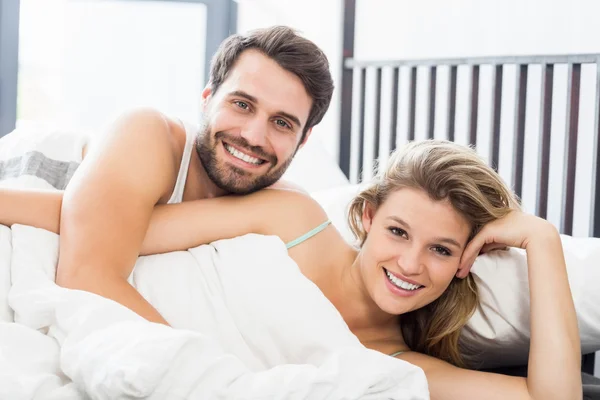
(412, 251)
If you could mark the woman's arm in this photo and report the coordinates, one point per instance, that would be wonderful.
(554, 357)
(37, 208)
(555, 349)
(447, 382)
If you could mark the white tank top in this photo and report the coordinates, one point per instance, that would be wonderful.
(190, 136)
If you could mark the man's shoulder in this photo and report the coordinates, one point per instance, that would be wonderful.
(141, 139)
(143, 128)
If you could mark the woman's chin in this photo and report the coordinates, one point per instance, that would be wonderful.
(394, 306)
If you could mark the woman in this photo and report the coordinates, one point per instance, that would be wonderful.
(405, 290)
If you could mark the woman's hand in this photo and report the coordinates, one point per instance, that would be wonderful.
(555, 350)
(516, 229)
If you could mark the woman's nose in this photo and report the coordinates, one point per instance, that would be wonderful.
(410, 261)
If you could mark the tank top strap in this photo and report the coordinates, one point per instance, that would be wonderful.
(190, 136)
(308, 235)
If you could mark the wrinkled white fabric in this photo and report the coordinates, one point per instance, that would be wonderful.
(246, 325)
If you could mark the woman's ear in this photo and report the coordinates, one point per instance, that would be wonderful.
(367, 216)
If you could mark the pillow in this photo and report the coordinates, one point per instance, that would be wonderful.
(313, 168)
(499, 330)
(39, 157)
(6, 313)
(498, 333)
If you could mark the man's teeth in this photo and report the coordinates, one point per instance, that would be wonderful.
(400, 283)
(242, 156)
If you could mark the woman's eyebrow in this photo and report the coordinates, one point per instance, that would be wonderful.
(449, 241)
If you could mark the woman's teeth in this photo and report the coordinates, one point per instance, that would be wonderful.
(400, 283)
(244, 157)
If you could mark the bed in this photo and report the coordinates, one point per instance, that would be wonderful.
(387, 102)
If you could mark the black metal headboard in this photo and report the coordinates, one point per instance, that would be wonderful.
(405, 75)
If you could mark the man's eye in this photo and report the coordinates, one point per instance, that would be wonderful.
(283, 124)
(241, 105)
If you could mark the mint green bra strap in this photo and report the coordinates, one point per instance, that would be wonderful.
(308, 235)
(396, 354)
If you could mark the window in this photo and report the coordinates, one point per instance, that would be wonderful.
(83, 62)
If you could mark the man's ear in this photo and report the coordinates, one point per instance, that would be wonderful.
(367, 216)
(206, 95)
(308, 133)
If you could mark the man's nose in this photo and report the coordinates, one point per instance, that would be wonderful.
(255, 131)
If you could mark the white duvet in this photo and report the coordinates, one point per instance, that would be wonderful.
(247, 325)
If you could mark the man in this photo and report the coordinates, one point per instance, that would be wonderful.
(266, 91)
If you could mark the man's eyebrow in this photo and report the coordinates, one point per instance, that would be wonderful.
(253, 99)
(244, 95)
(291, 117)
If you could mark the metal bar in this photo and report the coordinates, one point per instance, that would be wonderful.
(589, 360)
(519, 138)
(348, 22)
(220, 23)
(412, 104)
(9, 68)
(497, 113)
(474, 105)
(394, 121)
(518, 60)
(452, 102)
(377, 130)
(595, 209)
(543, 169)
(361, 131)
(587, 363)
(432, 87)
(233, 16)
(571, 149)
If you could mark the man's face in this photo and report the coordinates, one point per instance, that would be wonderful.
(253, 124)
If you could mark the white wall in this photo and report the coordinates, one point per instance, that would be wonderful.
(438, 28)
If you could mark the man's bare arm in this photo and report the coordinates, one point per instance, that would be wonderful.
(39, 208)
(107, 207)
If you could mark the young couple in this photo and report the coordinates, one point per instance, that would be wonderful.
(152, 184)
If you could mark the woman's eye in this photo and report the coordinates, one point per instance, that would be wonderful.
(398, 231)
(282, 124)
(442, 251)
(241, 104)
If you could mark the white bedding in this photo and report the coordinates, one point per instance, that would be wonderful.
(499, 330)
(249, 326)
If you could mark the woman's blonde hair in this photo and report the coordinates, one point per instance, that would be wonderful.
(445, 171)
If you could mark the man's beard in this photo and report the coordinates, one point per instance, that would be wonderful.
(228, 177)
